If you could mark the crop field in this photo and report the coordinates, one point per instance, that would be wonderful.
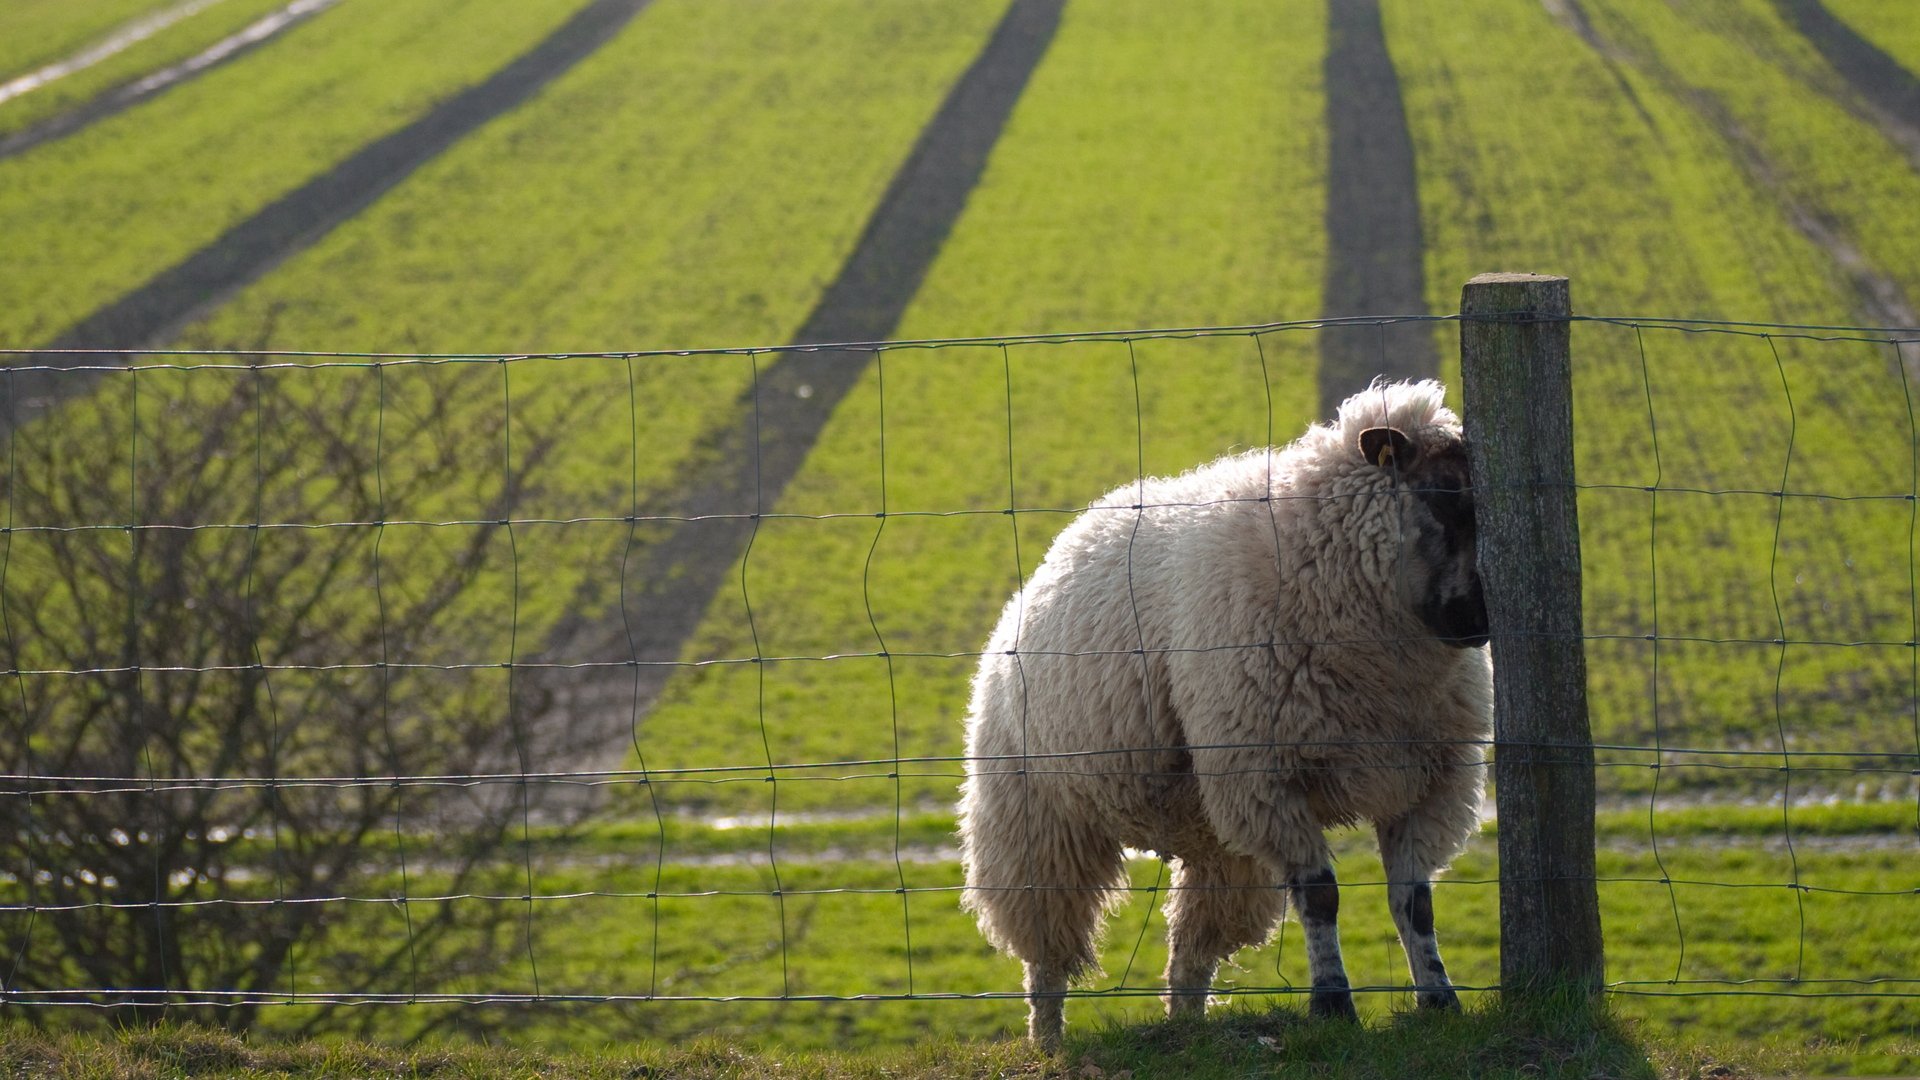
(525, 273)
(716, 935)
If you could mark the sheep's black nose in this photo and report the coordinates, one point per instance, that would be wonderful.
(1463, 621)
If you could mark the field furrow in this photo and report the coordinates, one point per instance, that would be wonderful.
(1375, 265)
(776, 424)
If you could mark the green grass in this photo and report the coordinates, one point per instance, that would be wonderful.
(1765, 86)
(669, 134)
(1659, 217)
(687, 187)
(177, 42)
(1894, 28)
(1675, 950)
(38, 32)
(1728, 915)
(1174, 146)
(93, 215)
(1552, 1039)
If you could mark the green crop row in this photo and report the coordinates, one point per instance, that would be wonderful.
(1667, 215)
(38, 32)
(92, 216)
(177, 42)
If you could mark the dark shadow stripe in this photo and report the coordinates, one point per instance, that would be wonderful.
(128, 94)
(1374, 247)
(1879, 299)
(159, 309)
(758, 451)
(1892, 90)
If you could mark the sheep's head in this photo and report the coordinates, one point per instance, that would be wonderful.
(1439, 576)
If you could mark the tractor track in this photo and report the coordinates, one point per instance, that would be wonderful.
(752, 455)
(1375, 250)
(156, 311)
(1890, 92)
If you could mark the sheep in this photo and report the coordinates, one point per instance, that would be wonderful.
(1219, 666)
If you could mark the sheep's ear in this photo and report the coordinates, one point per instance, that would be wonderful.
(1387, 447)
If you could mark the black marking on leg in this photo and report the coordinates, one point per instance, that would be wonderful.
(1319, 896)
(1420, 909)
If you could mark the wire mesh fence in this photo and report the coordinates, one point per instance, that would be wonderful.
(603, 681)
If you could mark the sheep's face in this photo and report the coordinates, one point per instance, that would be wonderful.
(1439, 577)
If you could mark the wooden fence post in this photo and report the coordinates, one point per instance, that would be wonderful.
(1517, 379)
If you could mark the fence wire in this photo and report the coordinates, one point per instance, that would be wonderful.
(321, 696)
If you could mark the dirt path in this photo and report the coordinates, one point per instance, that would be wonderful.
(1891, 92)
(1374, 247)
(128, 94)
(154, 312)
(753, 455)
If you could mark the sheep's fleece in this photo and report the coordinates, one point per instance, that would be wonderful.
(1216, 667)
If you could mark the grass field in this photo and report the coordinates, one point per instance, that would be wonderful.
(1892, 28)
(177, 42)
(1559, 1040)
(1748, 520)
(98, 212)
(841, 928)
(39, 32)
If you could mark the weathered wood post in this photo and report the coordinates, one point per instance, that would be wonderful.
(1517, 379)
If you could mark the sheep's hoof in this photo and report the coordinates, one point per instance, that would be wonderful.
(1332, 1005)
(1439, 999)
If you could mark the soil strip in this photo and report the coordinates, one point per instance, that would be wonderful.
(156, 311)
(1891, 92)
(1374, 247)
(751, 458)
(127, 95)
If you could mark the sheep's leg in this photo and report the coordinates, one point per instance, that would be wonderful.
(1219, 903)
(1410, 896)
(1046, 1005)
(1039, 880)
(1278, 822)
(1317, 895)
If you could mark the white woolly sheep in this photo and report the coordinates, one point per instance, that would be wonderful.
(1218, 667)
